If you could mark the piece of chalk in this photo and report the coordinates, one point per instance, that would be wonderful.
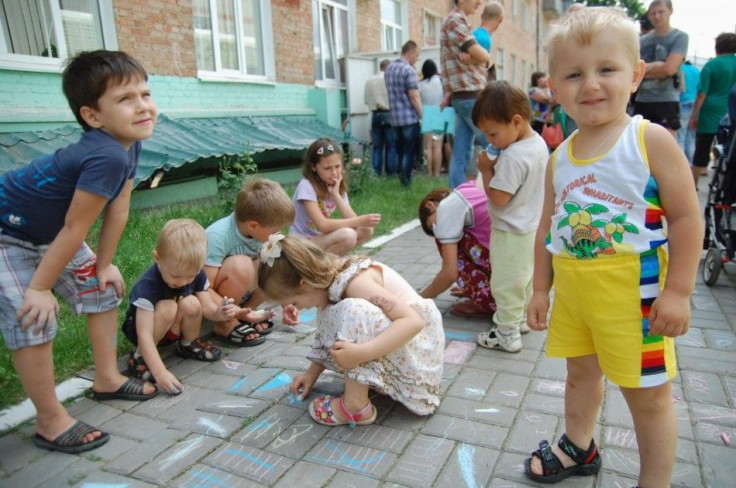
(725, 439)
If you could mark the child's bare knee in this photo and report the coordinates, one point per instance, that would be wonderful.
(364, 233)
(348, 238)
(166, 310)
(237, 269)
(190, 306)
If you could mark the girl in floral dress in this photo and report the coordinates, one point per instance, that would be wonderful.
(372, 327)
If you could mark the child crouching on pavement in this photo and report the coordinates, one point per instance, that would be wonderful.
(167, 304)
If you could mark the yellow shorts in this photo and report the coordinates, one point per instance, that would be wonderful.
(602, 306)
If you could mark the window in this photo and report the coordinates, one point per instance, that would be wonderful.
(432, 26)
(525, 76)
(525, 17)
(229, 38)
(331, 39)
(500, 61)
(514, 9)
(392, 25)
(512, 70)
(41, 34)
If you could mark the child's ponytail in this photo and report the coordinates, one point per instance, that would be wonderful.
(300, 260)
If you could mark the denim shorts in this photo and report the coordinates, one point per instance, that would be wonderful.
(77, 285)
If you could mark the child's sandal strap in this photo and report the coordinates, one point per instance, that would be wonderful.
(357, 417)
(577, 454)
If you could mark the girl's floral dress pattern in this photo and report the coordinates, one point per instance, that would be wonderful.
(474, 271)
(411, 374)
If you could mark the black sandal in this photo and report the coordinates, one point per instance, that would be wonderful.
(588, 462)
(199, 350)
(263, 332)
(239, 336)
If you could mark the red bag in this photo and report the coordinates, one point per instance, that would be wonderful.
(552, 135)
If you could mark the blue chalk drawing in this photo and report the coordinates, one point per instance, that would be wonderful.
(105, 485)
(460, 336)
(206, 481)
(282, 379)
(291, 398)
(347, 460)
(465, 460)
(238, 384)
(249, 457)
(263, 424)
(308, 315)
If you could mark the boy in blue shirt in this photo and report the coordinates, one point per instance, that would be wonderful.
(262, 208)
(167, 304)
(46, 211)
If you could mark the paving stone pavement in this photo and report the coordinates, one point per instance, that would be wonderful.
(236, 425)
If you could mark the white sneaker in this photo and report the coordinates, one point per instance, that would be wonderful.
(493, 339)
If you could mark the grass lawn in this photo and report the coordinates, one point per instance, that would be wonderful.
(72, 351)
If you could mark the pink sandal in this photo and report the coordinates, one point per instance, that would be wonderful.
(323, 413)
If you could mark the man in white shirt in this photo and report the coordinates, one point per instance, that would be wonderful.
(382, 135)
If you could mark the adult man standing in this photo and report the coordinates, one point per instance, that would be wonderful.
(663, 49)
(464, 64)
(382, 136)
(405, 107)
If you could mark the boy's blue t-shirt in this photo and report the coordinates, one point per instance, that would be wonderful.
(224, 239)
(692, 76)
(35, 198)
(483, 37)
(151, 288)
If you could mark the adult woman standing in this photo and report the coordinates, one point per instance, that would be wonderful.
(433, 128)
(540, 97)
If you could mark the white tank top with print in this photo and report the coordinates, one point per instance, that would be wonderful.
(606, 206)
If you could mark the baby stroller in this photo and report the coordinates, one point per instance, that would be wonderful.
(720, 233)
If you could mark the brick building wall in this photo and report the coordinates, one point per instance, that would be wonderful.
(293, 40)
(368, 13)
(159, 33)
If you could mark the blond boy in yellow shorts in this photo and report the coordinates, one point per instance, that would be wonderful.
(611, 190)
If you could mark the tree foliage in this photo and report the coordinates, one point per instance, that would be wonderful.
(634, 8)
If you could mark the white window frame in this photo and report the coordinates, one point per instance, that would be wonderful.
(399, 30)
(514, 9)
(26, 62)
(425, 25)
(525, 17)
(525, 75)
(513, 70)
(220, 74)
(349, 36)
(500, 64)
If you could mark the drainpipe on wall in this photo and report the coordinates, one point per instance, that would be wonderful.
(538, 27)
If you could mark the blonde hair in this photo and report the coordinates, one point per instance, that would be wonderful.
(300, 260)
(585, 24)
(493, 10)
(183, 241)
(264, 201)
